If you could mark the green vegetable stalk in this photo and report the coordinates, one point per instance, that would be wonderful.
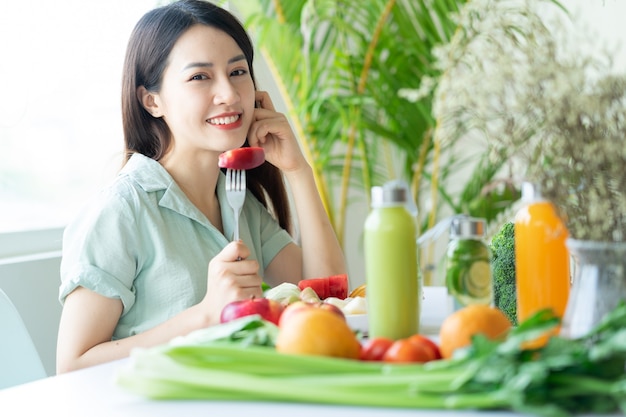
(503, 269)
(565, 377)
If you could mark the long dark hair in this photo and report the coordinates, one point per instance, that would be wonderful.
(147, 53)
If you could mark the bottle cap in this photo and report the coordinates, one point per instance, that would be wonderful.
(392, 193)
(465, 227)
(530, 191)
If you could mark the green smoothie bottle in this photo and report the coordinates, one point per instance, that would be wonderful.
(391, 270)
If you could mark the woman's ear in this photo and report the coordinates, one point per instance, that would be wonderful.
(148, 101)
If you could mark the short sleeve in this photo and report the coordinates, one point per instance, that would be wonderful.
(99, 250)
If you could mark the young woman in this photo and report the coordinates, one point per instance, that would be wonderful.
(151, 257)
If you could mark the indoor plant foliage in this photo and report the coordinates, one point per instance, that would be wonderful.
(344, 69)
(523, 85)
(583, 146)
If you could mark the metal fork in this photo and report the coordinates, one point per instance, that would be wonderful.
(236, 193)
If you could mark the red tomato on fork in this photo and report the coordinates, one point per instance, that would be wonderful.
(242, 158)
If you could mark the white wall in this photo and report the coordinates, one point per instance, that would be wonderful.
(604, 19)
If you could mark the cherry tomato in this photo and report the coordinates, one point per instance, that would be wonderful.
(431, 346)
(405, 351)
(374, 349)
(242, 158)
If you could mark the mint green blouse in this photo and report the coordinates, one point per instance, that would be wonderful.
(142, 241)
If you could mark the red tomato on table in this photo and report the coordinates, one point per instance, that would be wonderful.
(429, 344)
(405, 351)
(374, 349)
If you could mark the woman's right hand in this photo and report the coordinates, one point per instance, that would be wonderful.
(231, 277)
(82, 344)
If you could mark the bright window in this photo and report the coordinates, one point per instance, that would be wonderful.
(60, 123)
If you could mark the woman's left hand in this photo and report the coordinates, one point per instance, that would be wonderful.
(319, 253)
(271, 131)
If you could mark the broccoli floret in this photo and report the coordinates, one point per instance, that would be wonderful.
(503, 267)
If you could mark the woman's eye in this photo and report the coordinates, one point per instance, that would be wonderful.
(199, 77)
(239, 72)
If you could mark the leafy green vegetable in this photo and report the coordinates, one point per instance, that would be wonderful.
(285, 293)
(565, 377)
(244, 331)
(503, 267)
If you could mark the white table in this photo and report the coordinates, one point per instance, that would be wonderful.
(92, 392)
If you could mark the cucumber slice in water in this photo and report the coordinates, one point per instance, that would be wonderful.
(478, 280)
(468, 273)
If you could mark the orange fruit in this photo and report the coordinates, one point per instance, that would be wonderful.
(317, 331)
(459, 327)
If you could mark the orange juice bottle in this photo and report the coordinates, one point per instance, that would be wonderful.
(541, 256)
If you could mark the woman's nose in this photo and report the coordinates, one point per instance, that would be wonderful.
(225, 92)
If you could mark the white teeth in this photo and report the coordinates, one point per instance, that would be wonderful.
(224, 120)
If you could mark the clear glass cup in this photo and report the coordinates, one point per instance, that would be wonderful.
(599, 284)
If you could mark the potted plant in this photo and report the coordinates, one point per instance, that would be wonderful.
(357, 81)
(559, 114)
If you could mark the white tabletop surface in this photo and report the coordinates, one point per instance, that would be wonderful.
(92, 392)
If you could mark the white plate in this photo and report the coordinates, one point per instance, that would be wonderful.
(358, 322)
(435, 306)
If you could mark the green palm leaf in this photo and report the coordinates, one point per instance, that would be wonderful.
(341, 65)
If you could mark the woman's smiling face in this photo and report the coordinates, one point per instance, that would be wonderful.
(207, 94)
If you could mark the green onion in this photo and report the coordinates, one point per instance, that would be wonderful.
(221, 372)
